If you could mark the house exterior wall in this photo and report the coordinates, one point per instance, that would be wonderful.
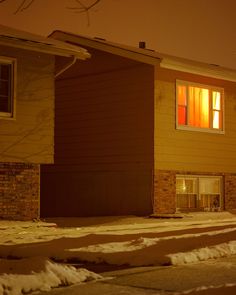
(103, 141)
(191, 152)
(27, 139)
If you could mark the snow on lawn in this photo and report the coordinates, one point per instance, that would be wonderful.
(39, 274)
(18, 232)
(142, 242)
(196, 255)
(155, 251)
(150, 242)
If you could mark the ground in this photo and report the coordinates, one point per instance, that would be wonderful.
(121, 255)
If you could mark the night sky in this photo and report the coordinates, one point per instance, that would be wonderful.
(203, 30)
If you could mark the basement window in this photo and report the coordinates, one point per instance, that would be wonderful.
(203, 193)
(199, 107)
(7, 87)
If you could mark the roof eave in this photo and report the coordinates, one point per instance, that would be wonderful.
(207, 70)
(49, 49)
(118, 50)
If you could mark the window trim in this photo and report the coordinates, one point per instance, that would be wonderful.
(10, 61)
(199, 129)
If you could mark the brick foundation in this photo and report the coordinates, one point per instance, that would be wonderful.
(19, 191)
(165, 190)
(230, 191)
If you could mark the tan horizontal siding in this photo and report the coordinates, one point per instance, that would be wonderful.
(29, 136)
(192, 150)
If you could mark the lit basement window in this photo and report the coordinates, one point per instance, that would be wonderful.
(199, 107)
(198, 192)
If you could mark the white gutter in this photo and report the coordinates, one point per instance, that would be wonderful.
(66, 67)
(212, 71)
(48, 46)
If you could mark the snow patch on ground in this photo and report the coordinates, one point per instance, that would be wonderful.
(141, 243)
(148, 251)
(116, 247)
(39, 274)
(216, 251)
(217, 290)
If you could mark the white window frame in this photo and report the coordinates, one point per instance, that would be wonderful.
(10, 61)
(200, 129)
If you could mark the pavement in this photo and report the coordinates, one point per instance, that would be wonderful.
(162, 280)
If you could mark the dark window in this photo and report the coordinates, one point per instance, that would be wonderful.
(6, 89)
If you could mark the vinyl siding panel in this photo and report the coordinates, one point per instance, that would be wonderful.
(192, 150)
(29, 137)
(103, 132)
(103, 141)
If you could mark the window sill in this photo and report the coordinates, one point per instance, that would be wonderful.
(204, 130)
(5, 116)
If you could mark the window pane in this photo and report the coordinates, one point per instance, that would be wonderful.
(182, 99)
(186, 201)
(198, 107)
(5, 72)
(209, 201)
(186, 185)
(4, 104)
(182, 115)
(216, 100)
(216, 120)
(5, 88)
(209, 185)
(179, 185)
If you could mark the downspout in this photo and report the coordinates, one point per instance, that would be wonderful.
(67, 66)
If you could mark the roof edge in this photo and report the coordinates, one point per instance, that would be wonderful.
(141, 55)
(207, 70)
(149, 57)
(20, 39)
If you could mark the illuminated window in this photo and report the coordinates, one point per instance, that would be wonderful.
(7, 68)
(198, 192)
(199, 106)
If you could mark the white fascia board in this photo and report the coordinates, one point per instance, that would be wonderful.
(49, 46)
(199, 69)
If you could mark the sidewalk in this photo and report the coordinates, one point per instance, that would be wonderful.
(208, 278)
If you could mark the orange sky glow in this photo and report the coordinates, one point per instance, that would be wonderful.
(202, 30)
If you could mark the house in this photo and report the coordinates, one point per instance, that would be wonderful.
(137, 132)
(27, 75)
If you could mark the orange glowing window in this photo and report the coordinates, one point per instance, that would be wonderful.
(199, 106)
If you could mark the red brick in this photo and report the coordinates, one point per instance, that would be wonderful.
(19, 191)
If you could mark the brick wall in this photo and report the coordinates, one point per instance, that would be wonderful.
(230, 191)
(19, 191)
(165, 190)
